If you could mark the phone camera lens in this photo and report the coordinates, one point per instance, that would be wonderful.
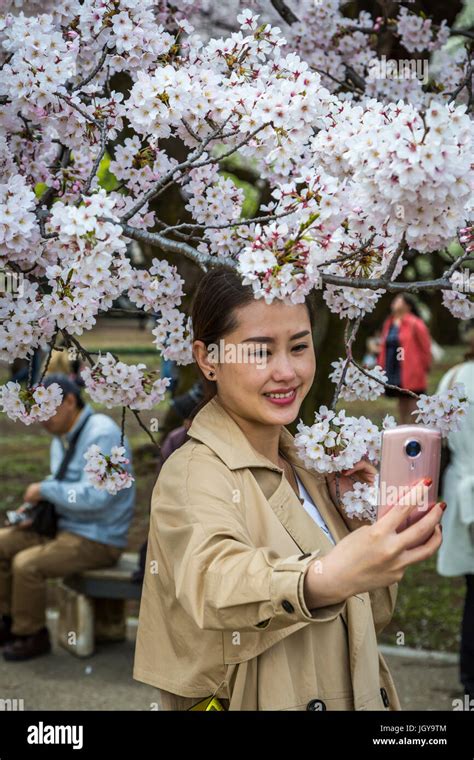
(413, 448)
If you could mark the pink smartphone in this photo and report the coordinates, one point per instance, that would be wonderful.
(409, 454)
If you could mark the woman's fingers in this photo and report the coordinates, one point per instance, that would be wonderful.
(426, 550)
(362, 465)
(415, 497)
(420, 531)
(363, 469)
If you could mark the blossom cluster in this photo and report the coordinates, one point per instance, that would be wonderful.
(357, 385)
(444, 410)
(156, 288)
(459, 302)
(360, 501)
(174, 336)
(107, 471)
(29, 405)
(336, 442)
(112, 383)
(280, 265)
(411, 170)
(25, 323)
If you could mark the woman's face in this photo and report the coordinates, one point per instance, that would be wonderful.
(399, 305)
(269, 352)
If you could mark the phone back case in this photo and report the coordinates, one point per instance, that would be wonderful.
(399, 471)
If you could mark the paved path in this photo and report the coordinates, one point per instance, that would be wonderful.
(60, 681)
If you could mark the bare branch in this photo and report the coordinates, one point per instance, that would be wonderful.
(80, 110)
(383, 284)
(99, 157)
(156, 240)
(462, 32)
(50, 353)
(386, 385)
(237, 223)
(393, 261)
(349, 338)
(94, 71)
(285, 12)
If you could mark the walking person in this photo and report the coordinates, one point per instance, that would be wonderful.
(405, 354)
(258, 590)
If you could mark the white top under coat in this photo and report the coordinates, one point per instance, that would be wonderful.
(312, 509)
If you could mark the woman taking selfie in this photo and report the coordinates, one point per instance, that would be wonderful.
(258, 589)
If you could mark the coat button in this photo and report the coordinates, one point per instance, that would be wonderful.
(385, 698)
(287, 605)
(316, 704)
(303, 556)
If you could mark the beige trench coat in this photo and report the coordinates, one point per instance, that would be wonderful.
(222, 609)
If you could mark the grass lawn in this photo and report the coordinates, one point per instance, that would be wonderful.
(429, 606)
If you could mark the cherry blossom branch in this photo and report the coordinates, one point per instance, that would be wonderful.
(465, 83)
(50, 353)
(231, 151)
(80, 110)
(63, 159)
(70, 339)
(144, 427)
(393, 261)
(122, 425)
(349, 339)
(157, 240)
(382, 283)
(98, 159)
(337, 81)
(105, 52)
(354, 77)
(238, 223)
(187, 164)
(381, 382)
(350, 255)
(190, 163)
(457, 262)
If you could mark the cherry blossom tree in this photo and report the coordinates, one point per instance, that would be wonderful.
(365, 169)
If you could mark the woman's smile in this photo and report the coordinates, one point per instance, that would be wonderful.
(283, 397)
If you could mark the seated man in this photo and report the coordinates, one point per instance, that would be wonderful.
(92, 525)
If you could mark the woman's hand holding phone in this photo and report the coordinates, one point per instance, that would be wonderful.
(375, 556)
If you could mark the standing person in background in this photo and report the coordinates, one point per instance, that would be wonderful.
(405, 353)
(456, 554)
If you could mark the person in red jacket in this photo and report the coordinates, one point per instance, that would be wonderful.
(405, 353)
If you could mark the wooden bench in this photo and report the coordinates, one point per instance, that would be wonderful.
(92, 605)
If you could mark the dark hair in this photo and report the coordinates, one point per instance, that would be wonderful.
(411, 302)
(67, 386)
(219, 293)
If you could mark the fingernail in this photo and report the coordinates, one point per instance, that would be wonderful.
(443, 505)
(428, 481)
